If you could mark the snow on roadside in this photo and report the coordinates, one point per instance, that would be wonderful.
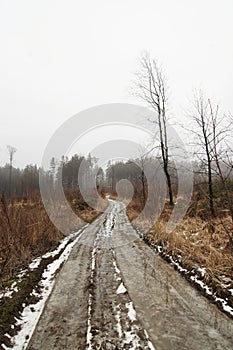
(194, 278)
(31, 313)
(150, 345)
(7, 292)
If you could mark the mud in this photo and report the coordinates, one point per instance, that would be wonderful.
(114, 292)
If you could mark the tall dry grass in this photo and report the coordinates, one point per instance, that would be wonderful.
(26, 230)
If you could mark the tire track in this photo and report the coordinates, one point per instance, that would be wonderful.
(112, 320)
(114, 292)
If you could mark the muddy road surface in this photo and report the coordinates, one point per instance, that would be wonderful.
(114, 292)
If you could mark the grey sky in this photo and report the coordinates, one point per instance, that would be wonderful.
(60, 57)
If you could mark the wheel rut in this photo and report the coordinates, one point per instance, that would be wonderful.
(114, 292)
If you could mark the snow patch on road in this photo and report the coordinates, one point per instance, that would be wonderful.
(116, 268)
(109, 222)
(131, 311)
(90, 299)
(117, 310)
(121, 289)
(132, 338)
(104, 231)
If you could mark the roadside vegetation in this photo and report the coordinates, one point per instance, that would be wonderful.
(199, 247)
(29, 241)
(25, 228)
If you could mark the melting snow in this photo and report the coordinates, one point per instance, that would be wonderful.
(121, 289)
(133, 338)
(150, 345)
(35, 263)
(131, 311)
(202, 270)
(93, 263)
(31, 313)
(117, 310)
(9, 291)
(116, 268)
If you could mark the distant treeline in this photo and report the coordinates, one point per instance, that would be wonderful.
(25, 182)
(74, 172)
(84, 171)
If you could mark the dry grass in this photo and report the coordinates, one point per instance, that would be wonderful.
(26, 231)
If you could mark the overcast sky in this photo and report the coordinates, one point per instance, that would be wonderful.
(60, 57)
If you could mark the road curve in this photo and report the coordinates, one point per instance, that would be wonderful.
(114, 292)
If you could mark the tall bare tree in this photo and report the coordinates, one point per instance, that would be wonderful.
(152, 87)
(223, 163)
(204, 132)
(11, 151)
(210, 134)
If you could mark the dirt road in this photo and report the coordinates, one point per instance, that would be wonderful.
(114, 292)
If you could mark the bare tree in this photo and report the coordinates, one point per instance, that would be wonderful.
(210, 134)
(204, 133)
(220, 155)
(11, 151)
(143, 152)
(153, 90)
(142, 161)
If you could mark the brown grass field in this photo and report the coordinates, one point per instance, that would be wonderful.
(27, 232)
